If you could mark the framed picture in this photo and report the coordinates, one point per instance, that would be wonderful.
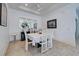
(52, 23)
(3, 14)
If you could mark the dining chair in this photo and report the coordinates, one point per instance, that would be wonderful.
(43, 43)
(49, 34)
(31, 30)
(27, 42)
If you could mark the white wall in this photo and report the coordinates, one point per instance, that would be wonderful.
(14, 21)
(65, 16)
(4, 39)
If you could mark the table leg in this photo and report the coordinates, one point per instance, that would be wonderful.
(26, 45)
(14, 38)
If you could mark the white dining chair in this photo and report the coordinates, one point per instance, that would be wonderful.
(31, 30)
(43, 43)
(49, 34)
(27, 42)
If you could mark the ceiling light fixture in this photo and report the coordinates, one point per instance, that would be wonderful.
(26, 4)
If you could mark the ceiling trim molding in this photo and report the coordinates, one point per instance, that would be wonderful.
(27, 9)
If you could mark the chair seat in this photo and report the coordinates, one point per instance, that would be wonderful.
(29, 42)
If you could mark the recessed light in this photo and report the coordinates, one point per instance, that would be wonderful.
(26, 4)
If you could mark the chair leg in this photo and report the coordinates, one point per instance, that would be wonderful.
(26, 46)
(44, 48)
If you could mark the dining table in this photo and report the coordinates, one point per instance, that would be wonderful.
(35, 37)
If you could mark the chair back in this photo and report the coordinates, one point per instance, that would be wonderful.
(49, 35)
(44, 38)
(25, 35)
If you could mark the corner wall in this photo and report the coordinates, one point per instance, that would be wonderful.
(65, 16)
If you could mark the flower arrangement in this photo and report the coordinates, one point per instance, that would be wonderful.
(25, 26)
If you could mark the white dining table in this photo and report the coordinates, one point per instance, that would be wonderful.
(35, 37)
